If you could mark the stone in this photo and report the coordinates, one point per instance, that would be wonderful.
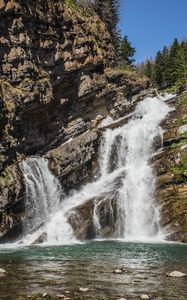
(176, 274)
(44, 295)
(41, 239)
(84, 290)
(2, 271)
(2, 4)
(182, 129)
(117, 271)
(144, 297)
(170, 167)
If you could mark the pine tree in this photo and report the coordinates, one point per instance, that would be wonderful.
(158, 69)
(125, 52)
(173, 62)
(169, 67)
(148, 69)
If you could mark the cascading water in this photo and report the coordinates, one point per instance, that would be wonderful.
(125, 156)
(43, 200)
(138, 214)
(42, 192)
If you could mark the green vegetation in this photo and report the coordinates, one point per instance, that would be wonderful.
(169, 68)
(6, 178)
(178, 143)
(181, 170)
(84, 8)
(182, 100)
(125, 52)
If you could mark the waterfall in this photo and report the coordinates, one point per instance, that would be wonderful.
(43, 201)
(130, 148)
(125, 171)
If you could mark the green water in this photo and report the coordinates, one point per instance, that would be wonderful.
(33, 271)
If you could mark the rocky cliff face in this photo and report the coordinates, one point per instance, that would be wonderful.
(171, 168)
(57, 83)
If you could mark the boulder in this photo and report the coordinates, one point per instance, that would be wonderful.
(176, 274)
(84, 290)
(144, 297)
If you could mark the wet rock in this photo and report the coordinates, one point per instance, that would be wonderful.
(81, 218)
(176, 274)
(117, 271)
(44, 295)
(2, 272)
(41, 239)
(144, 297)
(84, 290)
(170, 168)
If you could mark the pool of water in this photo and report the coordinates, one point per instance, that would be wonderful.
(63, 270)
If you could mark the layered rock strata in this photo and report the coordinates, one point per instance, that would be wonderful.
(171, 170)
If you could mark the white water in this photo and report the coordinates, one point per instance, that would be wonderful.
(43, 201)
(126, 153)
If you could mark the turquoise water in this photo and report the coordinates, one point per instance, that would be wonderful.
(33, 271)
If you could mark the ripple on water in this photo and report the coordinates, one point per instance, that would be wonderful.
(54, 270)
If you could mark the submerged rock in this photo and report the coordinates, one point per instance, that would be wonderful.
(84, 290)
(118, 271)
(176, 274)
(2, 272)
(144, 297)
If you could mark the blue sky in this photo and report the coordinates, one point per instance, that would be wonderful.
(151, 24)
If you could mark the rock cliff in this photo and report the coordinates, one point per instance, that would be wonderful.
(171, 169)
(57, 82)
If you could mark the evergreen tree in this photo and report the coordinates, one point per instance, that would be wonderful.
(148, 69)
(165, 65)
(173, 62)
(158, 69)
(125, 52)
(169, 67)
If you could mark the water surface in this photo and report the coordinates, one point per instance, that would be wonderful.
(33, 271)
